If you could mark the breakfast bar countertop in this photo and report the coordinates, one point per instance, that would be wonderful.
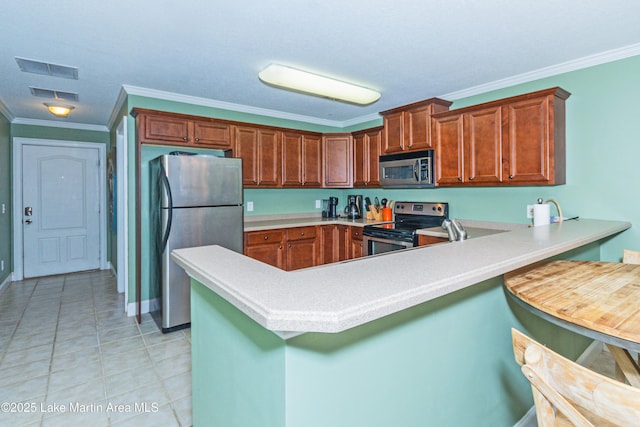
(336, 297)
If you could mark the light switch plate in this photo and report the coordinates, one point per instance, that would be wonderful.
(318, 204)
(249, 206)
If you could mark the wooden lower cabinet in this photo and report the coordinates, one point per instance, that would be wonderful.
(357, 248)
(285, 248)
(335, 243)
(424, 240)
(266, 246)
(302, 248)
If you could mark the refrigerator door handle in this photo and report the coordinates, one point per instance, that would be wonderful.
(167, 187)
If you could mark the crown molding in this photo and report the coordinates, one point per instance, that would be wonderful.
(205, 102)
(65, 125)
(4, 110)
(113, 118)
(554, 70)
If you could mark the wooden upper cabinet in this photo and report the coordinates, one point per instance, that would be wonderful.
(337, 152)
(301, 159)
(449, 150)
(468, 147)
(535, 138)
(157, 127)
(513, 141)
(366, 157)
(211, 134)
(259, 149)
(408, 128)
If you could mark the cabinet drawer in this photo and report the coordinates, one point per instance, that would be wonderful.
(356, 233)
(301, 233)
(263, 237)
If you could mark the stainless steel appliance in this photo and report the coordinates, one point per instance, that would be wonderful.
(196, 200)
(401, 234)
(407, 170)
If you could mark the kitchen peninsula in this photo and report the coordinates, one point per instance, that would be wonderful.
(412, 338)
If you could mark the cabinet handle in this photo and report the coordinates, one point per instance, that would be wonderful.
(289, 245)
(510, 176)
(280, 247)
(197, 139)
(459, 178)
(302, 234)
(266, 237)
(357, 234)
(185, 138)
(470, 178)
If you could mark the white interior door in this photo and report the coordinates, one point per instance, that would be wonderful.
(61, 209)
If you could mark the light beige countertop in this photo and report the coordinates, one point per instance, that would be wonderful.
(336, 297)
(270, 222)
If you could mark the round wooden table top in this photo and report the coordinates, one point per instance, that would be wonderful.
(597, 299)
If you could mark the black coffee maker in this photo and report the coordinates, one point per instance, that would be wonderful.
(332, 208)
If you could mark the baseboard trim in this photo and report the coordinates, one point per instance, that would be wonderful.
(146, 306)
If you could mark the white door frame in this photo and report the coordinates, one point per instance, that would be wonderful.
(122, 210)
(18, 244)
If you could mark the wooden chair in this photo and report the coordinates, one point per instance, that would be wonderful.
(566, 393)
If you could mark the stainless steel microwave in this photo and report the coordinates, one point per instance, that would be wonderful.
(413, 169)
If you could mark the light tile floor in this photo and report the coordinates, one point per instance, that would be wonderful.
(66, 344)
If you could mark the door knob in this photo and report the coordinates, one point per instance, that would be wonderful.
(28, 211)
(28, 221)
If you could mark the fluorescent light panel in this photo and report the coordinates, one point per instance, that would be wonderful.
(303, 81)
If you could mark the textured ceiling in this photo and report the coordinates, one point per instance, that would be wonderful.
(407, 50)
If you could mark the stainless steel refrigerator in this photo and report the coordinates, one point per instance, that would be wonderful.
(196, 200)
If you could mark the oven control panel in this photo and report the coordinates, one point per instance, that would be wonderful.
(422, 208)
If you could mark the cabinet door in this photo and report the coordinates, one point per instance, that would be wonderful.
(291, 159)
(338, 162)
(417, 122)
(162, 129)
(312, 160)
(483, 146)
(246, 148)
(528, 147)
(266, 246)
(211, 135)
(301, 254)
(449, 153)
(343, 242)
(327, 240)
(356, 242)
(272, 254)
(374, 142)
(360, 161)
(394, 133)
(269, 158)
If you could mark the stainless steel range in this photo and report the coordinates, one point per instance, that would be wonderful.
(401, 234)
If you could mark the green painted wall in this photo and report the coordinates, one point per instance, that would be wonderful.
(446, 362)
(6, 183)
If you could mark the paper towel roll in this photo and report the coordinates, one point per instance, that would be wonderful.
(541, 214)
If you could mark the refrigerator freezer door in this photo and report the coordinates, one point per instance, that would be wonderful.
(194, 227)
(203, 180)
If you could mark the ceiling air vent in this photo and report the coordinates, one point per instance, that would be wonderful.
(39, 67)
(53, 94)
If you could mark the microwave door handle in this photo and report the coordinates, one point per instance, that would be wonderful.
(416, 170)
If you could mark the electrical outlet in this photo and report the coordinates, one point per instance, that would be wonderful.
(4, 209)
(318, 204)
(529, 211)
(249, 206)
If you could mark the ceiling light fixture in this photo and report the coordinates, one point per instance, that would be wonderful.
(59, 110)
(303, 81)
